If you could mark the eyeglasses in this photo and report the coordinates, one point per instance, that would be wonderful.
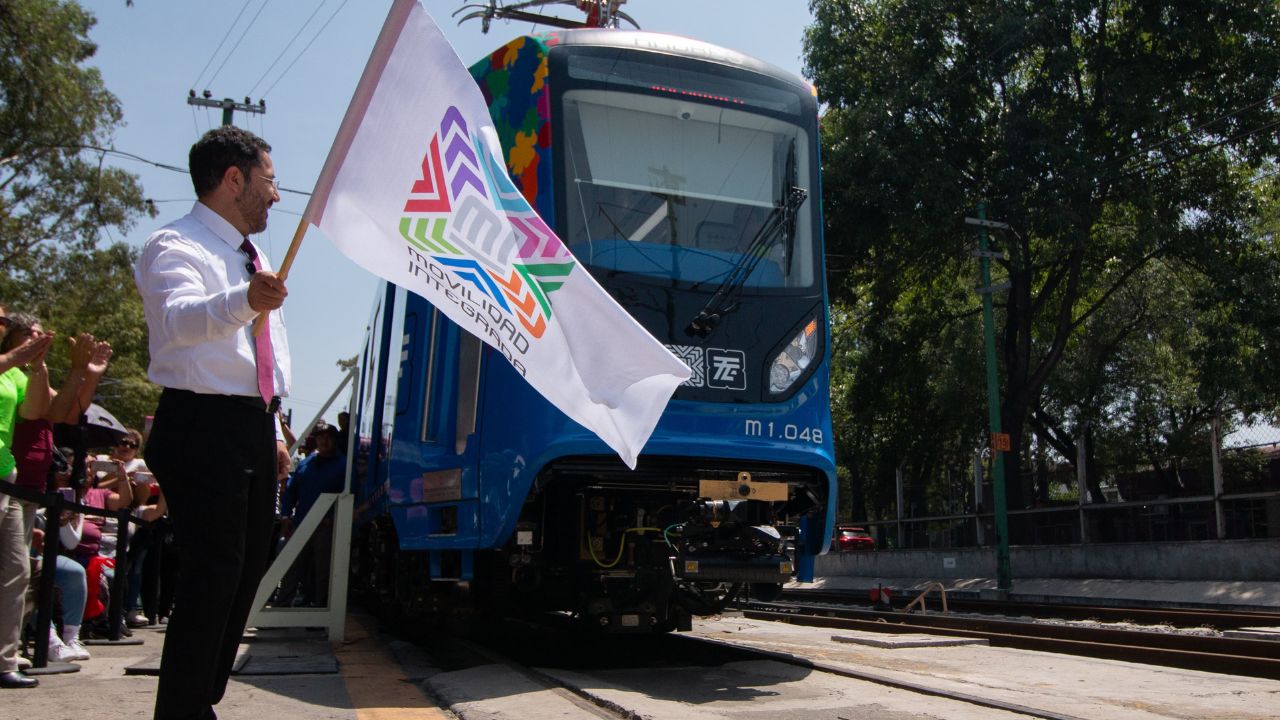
(128, 444)
(275, 182)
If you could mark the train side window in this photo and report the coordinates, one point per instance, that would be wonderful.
(468, 388)
(397, 355)
(429, 421)
(408, 356)
(368, 378)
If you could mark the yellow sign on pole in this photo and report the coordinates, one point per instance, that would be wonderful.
(1000, 442)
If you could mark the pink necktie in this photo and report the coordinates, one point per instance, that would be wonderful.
(262, 343)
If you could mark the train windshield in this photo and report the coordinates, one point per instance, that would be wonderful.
(670, 184)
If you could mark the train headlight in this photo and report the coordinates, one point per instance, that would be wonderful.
(794, 359)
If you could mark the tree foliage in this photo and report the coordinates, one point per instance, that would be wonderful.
(55, 194)
(56, 198)
(1112, 136)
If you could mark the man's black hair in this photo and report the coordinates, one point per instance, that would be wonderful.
(221, 148)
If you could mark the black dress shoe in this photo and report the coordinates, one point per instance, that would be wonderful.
(16, 680)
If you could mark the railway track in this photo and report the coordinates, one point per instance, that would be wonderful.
(1234, 656)
(777, 657)
(567, 669)
(1176, 616)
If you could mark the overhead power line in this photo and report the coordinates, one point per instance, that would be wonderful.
(128, 155)
(1197, 128)
(162, 166)
(1144, 169)
(308, 47)
(233, 49)
(196, 83)
(288, 45)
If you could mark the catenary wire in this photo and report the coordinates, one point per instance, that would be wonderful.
(308, 47)
(196, 83)
(1142, 170)
(1197, 128)
(239, 40)
(288, 45)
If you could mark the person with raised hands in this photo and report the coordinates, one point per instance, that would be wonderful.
(21, 367)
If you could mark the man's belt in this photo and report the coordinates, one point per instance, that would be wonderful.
(252, 401)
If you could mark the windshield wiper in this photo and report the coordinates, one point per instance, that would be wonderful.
(781, 223)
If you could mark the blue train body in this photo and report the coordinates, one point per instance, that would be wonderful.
(466, 479)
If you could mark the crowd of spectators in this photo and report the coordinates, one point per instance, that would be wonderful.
(29, 407)
(116, 481)
(321, 471)
(89, 544)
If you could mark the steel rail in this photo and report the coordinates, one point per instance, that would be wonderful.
(1177, 616)
(723, 647)
(885, 680)
(1235, 656)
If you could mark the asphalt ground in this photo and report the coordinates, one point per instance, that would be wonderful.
(377, 675)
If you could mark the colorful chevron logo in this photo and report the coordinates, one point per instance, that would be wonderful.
(467, 215)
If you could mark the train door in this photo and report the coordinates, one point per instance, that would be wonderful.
(433, 479)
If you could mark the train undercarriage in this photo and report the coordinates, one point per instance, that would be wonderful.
(621, 551)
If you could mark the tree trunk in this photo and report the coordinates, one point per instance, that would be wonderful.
(1093, 473)
(1041, 479)
(857, 493)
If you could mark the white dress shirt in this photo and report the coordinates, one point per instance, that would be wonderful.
(195, 293)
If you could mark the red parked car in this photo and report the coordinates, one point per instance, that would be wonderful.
(849, 538)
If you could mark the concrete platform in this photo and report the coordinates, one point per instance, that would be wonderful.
(1242, 595)
(281, 674)
(280, 652)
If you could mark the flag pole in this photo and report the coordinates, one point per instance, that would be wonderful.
(283, 271)
(382, 48)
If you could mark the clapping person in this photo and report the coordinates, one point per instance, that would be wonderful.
(31, 438)
(21, 367)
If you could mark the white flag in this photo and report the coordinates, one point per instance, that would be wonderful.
(414, 190)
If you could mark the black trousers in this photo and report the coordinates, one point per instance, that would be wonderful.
(214, 457)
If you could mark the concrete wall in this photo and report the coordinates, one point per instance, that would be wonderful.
(1225, 560)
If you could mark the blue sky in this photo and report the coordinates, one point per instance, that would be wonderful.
(151, 54)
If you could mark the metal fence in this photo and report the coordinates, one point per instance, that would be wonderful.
(1229, 491)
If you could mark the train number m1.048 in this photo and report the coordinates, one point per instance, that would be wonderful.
(788, 431)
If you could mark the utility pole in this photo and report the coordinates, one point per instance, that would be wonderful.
(227, 104)
(999, 440)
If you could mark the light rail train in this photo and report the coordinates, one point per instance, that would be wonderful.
(685, 178)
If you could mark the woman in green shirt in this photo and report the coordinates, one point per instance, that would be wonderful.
(24, 391)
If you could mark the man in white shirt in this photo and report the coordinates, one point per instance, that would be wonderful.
(213, 446)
